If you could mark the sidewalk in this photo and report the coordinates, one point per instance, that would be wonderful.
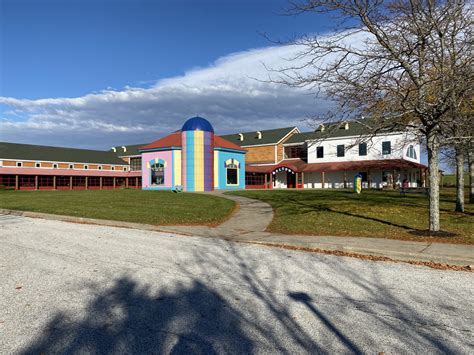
(249, 222)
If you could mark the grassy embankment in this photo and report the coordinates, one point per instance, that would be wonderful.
(150, 207)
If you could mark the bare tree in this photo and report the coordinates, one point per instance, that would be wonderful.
(400, 62)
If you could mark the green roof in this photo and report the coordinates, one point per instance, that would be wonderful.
(57, 154)
(338, 130)
(269, 136)
(129, 150)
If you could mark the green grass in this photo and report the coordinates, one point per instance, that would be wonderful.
(373, 213)
(450, 180)
(150, 207)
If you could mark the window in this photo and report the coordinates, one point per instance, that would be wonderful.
(386, 147)
(340, 150)
(135, 164)
(232, 177)
(232, 171)
(124, 169)
(362, 149)
(100, 167)
(71, 166)
(55, 166)
(86, 167)
(411, 153)
(295, 151)
(320, 152)
(37, 165)
(19, 164)
(157, 173)
(112, 168)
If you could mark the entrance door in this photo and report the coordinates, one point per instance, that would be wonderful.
(290, 180)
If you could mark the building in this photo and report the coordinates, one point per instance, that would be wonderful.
(193, 158)
(198, 160)
(330, 157)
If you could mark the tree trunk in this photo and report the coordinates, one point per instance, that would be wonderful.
(433, 166)
(471, 174)
(459, 180)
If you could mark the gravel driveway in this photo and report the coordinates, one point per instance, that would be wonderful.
(72, 288)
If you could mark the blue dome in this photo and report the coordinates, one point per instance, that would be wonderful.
(197, 124)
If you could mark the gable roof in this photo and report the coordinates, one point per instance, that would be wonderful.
(174, 140)
(18, 151)
(337, 130)
(269, 136)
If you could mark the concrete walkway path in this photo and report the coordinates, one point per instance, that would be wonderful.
(252, 217)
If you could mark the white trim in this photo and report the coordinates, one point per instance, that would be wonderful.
(58, 161)
(345, 137)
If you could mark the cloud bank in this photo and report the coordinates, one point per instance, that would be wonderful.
(231, 93)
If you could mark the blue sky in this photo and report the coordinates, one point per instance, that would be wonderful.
(67, 48)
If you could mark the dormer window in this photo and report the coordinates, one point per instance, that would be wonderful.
(321, 127)
(86, 167)
(37, 165)
(55, 166)
(112, 168)
(71, 166)
(124, 169)
(19, 164)
(241, 137)
(100, 167)
(114, 149)
(124, 148)
(259, 135)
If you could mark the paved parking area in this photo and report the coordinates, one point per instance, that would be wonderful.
(76, 288)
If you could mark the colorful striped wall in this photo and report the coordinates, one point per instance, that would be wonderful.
(197, 160)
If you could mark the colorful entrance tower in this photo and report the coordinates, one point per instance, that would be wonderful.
(197, 141)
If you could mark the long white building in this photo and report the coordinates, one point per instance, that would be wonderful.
(333, 155)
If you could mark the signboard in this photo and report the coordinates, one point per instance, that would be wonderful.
(283, 168)
(358, 183)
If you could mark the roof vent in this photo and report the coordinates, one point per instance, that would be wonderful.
(259, 135)
(124, 148)
(346, 126)
(114, 149)
(241, 137)
(321, 127)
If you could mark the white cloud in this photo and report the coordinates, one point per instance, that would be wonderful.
(226, 93)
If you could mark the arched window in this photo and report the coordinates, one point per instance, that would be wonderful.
(232, 171)
(411, 152)
(157, 172)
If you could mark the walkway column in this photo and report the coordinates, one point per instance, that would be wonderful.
(345, 179)
(87, 182)
(70, 182)
(302, 178)
(100, 182)
(126, 182)
(36, 182)
(322, 179)
(114, 183)
(54, 182)
(136, 182)
(17, 182)
(369, 179)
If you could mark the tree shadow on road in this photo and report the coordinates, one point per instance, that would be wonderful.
(127, 318)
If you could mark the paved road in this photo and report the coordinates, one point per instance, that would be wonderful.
(94, 289)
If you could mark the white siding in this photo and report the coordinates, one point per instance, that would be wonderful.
(399, 145)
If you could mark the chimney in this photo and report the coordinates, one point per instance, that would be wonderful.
(241, 137)
(124, 148)
(259, 135)
(114, 149)
(346, 126)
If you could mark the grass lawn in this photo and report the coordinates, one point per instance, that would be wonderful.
(151, 207)
(380, 214)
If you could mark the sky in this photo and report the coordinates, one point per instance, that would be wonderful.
(99, 73)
